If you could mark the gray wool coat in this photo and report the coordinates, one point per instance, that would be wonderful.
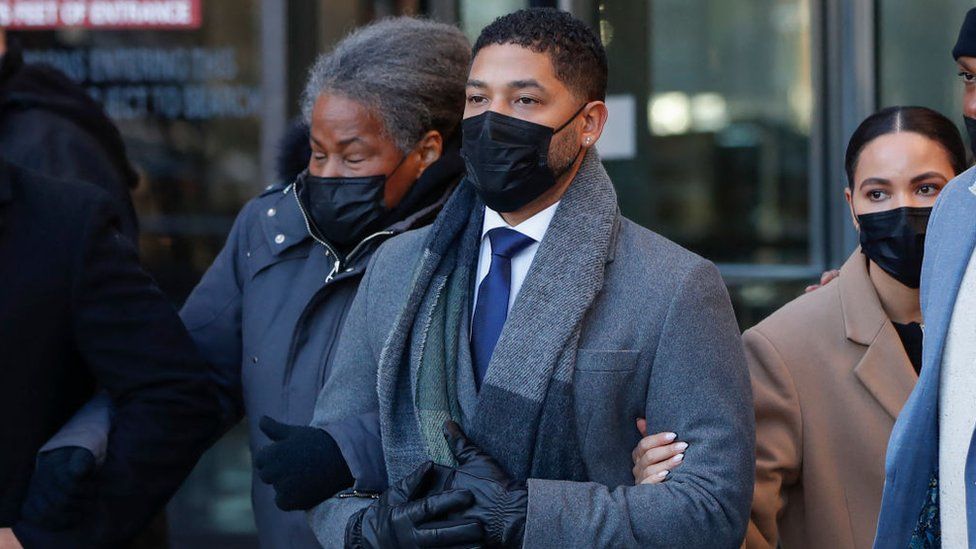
(660, 341)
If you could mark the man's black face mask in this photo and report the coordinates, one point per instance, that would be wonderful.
(507, 158)
(895, 241)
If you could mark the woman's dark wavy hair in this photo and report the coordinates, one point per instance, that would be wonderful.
(920, 120)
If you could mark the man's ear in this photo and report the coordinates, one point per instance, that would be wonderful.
(594, 119)
(430, 148)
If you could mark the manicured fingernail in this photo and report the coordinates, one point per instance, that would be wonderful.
(670, 436)
(678, 458)
(682, 446)
(663, 474)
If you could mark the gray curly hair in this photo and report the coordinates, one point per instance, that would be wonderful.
(409, 72)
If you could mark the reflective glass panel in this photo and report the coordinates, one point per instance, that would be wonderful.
(711, 106)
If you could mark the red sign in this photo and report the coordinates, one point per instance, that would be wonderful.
(100, 14)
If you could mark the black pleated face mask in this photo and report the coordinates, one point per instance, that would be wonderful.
(507, 158)
(344, 210)
(895, 241)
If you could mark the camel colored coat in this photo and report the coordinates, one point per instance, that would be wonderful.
(829, 376)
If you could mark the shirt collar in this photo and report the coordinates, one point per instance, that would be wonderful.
(534, 227)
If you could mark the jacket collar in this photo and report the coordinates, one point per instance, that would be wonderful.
(885, 369)
(285, 225)
(283, 222)
(424, 215)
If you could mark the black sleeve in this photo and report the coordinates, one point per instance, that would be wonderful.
(166, 413)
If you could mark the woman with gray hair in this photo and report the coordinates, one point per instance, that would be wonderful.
(384, 115)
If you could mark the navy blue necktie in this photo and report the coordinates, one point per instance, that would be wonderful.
(495, 290)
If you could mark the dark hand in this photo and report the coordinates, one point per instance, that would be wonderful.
(62, 487)
(303, 464)
(500, 502)
(397, 519)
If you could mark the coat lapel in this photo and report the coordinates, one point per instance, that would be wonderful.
(948, 249)
(885, 369)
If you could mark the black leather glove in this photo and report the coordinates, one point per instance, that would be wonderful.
(397, 519)
(303, 464)
(500, 503)
(61, 488)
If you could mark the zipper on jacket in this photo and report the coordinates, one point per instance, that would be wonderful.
(362, 242)
(308, 227)
(358, 494)
(338, 262)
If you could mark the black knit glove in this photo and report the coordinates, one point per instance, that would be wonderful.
(403, 516)
(303, 464)
(500, 503)
(61, 488)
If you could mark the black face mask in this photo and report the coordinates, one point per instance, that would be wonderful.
(344, 210)
(507, 158)
(971, 130)
(895, 241)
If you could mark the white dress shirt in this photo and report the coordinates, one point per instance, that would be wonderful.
(957, 411)
(534, 227)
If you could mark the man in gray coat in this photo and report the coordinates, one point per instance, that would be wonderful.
(514, 342)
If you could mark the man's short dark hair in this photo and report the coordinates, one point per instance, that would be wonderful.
(576, 52)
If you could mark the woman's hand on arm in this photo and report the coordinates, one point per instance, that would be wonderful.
(655, 456)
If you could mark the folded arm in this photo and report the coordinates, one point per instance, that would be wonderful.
(213, 310)
(699, 388)
(349, 391)
(133, 341)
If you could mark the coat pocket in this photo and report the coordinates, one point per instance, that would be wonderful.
(607, 403)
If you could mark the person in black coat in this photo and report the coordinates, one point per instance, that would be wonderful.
(77, 311)
(49, 124)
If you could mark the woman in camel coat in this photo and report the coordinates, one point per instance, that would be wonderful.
(831, 369)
